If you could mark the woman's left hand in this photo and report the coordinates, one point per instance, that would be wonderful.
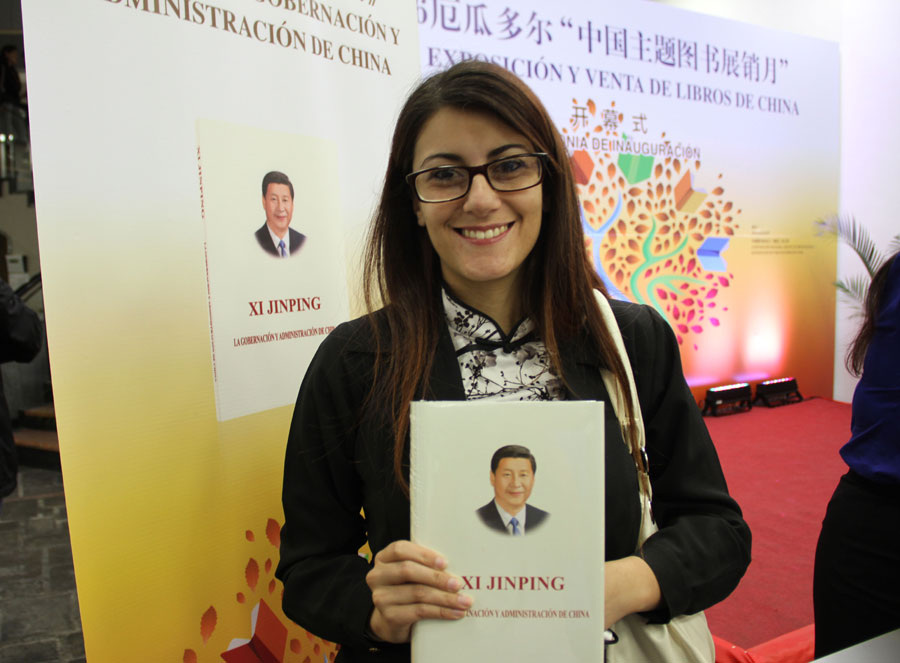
(630, 586)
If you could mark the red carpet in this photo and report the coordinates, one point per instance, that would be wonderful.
(782, 465)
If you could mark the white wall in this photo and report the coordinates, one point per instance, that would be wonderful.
(870, 93)
(870, 136)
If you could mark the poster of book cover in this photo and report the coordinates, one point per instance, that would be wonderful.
(274, 259)
(512, 495)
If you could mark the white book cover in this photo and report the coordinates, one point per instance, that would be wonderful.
(538, 596)
(267, 314)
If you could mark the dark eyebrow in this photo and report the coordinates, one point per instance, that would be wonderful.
(496, 152)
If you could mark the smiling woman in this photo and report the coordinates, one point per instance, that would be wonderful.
(479, 287)
(481, 235)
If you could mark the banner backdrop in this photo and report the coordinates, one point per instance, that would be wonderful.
(704, 151)
(178, 338)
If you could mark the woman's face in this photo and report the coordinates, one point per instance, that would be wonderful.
(483, 238)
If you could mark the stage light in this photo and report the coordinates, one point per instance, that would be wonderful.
(778, 392)
(727, 399)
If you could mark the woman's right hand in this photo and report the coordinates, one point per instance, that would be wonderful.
(409, 583)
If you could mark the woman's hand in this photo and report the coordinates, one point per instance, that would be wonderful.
(408, 583)
(630, 586)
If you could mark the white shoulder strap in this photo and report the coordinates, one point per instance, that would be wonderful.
(612, 385)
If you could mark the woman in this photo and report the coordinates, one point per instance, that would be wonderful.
(856, 585)
(477, 244)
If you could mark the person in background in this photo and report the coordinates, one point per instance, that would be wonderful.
(20, 340)
(476, 249)
(10, 84)
(856, 582)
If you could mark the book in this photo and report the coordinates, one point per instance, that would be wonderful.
(538, 595)
(267, 314)
(688, 198)
(582, 166)
(268, 637)
(710, 254)
(635, 167)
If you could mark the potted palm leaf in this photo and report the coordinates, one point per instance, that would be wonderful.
(854, 235)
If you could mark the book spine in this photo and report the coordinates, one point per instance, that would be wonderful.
(212, 334)
(414, 492)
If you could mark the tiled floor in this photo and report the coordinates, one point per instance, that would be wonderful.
(39, 619)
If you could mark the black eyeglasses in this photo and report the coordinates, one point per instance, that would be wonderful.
(445, 183)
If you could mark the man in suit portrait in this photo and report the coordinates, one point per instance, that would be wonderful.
(512, 475)
(276, 237)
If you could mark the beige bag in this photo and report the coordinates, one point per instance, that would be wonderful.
(685, 639)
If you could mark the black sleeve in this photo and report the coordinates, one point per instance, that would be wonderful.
(702, 548)
(323, 575)
(20, 328)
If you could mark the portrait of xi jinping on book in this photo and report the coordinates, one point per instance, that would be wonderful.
(513, 472)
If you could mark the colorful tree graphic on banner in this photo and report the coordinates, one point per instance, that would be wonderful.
(655, 235)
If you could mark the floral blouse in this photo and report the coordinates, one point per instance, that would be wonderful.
(514, 367)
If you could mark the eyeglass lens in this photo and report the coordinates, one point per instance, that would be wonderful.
(449, 182)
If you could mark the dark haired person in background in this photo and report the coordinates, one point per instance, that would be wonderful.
(513, 468)
(10, 84)
(856, 585)
(20, 340)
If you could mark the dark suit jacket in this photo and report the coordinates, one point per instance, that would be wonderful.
(265, 240)
(21, 337)
(339, 458)
(491, 517)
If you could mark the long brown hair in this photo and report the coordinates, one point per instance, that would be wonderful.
(402, 270)
(856, 353)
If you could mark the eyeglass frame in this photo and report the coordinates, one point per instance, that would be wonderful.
(472, 171)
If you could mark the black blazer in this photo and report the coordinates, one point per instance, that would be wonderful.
(491, 517)
(265, 240)
(339, 459)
